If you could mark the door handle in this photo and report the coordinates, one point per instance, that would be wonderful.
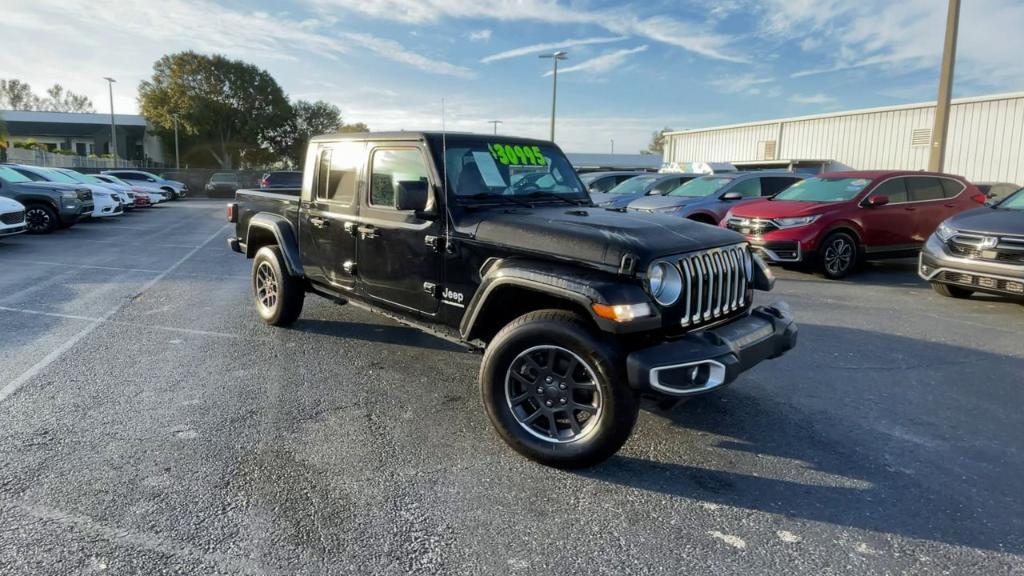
(367, 232)
(950, 205)
(909, 209)
(318, 222)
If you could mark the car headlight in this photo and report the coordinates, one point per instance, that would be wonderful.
(794, 222)
(664, 282)
(69, 194)
(945, 231)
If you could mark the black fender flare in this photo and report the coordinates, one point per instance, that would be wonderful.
(36, 198)
(580, 287)
(283, 233)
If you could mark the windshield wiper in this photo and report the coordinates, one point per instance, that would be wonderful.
(493, 196)
(553, 196)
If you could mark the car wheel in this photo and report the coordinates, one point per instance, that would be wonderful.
(951, 291)
(171, 194)
(279, 296)
(838, 255)
(40, 219)
(555, 392)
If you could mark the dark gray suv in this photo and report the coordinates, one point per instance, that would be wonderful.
(48, 205)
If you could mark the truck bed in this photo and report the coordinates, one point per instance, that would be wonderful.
(281, 201)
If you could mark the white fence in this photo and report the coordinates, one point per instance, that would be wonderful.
(43, 158)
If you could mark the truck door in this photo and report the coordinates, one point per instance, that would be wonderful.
(396, 263)
(328, 219)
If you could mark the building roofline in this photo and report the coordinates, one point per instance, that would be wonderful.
(71, 117)
(856, 112)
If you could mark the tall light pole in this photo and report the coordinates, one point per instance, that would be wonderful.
(495, 122)
(113, 126)
(937, 155)
(555, 56)
(613, 145)
(177, 158)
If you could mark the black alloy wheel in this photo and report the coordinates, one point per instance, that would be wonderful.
(838, 255)
(40, 219)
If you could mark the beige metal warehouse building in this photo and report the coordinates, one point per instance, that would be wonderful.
(985, 141)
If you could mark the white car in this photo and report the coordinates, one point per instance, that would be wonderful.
(123, 194)
(105, 202)
(156, 196)
(12, 217)
(172, 188)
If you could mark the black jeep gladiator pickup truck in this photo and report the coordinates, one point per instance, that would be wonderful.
(494, 242)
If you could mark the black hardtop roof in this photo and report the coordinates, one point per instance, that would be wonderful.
(425, 135)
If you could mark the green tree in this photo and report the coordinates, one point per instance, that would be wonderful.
(657, 145)
(229, 112)
(61, 100)
(310, 119)
(18, 95)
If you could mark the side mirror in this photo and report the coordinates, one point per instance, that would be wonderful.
(411, 195)
(731, 196)
(876, 201)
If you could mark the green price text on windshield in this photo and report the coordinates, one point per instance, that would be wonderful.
(517, 155)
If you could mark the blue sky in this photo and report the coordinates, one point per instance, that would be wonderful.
(633, 67)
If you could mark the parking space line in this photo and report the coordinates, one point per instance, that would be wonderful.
(123, 323)
(14, 385)
(70, 265)
(121, 242)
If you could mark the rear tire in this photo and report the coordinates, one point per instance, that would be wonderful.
(278, 295)
(951, 291)
(838, 255)
(40, 219)
(556, 392)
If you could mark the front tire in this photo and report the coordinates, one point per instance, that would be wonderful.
(40, 219)
(555, 392)
(278, 295)
(170, 193)
(839, 255)
(952, 291)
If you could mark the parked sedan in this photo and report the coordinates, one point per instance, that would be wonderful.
(708, 198)
(638, 187)
(156, 196)
(981, 250)
(839, 219)
(104, 201)
(172, 188)
(123, 195)
(223, 185)
(12, 217)
(602, 182)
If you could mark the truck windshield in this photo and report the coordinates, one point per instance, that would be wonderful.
(13, 176)
(824, 190)
(701, 187)
(480, 169)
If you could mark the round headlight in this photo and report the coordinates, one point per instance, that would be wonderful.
(664, 282)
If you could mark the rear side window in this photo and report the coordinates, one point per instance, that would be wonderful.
(951, 188)
(336, 174)
(924, 188)
(749, 188)
(894, 188)
(393, 168)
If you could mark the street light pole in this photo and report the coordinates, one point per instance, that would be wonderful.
(555, 56)
(937, 155)
(613, 145)
(113, 126)
(495, 122)
(177, 158)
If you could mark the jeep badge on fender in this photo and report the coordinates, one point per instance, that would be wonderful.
(493, 242)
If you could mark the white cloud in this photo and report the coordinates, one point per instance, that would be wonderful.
(741, 84)
(394, 51)
(480, 35)
(548, 46)
(603, 63)
(691, 36)
(818, 99)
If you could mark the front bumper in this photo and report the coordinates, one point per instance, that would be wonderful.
(11, 230)
(706, 360)
(937, 264)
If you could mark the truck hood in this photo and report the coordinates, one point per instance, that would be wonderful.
(595, 235)
(768, 209)
(660, 202)
(990, 221)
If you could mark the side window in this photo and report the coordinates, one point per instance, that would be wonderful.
(749, 188)
(30, 175)
(620, 179)
(951, 188)
(923, 188)
(336, 173)
(774, 185)
(603, 184)
(392, 169)
(665, 185)
(894, 188)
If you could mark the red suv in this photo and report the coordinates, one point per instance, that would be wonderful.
(838, 219)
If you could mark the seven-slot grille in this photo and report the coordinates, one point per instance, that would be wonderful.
(980, 247)
(13, 217)
(715, 283)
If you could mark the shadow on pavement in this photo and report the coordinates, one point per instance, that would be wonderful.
(386, 334)
(908, 449)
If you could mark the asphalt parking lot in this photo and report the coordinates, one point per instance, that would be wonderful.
(150, 423)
